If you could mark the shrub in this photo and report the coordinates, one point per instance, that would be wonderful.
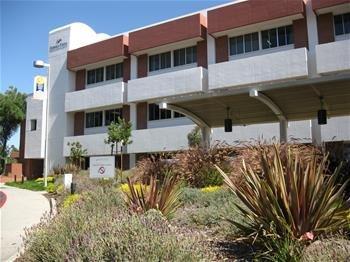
(294, 194)
(206, 210)
(210, 189)
(164, 197)
(50, 179)
(99, 228)
(194, 137)
(51, 188)
(155, 165)
(196, 165)
(70, 200)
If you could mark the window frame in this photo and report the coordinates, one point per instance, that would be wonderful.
(120, 109)
(185, 53)
(94, 119)
(95, 75)
(278, 44)
(244, 43)
(33, 124)
(114, 71)
(343, 34)
(160, 60)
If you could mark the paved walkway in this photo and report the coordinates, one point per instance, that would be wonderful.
(22, 209)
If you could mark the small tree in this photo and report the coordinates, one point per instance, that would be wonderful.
(194, 137)
(77, 153)
(119, 132)
(12, 113)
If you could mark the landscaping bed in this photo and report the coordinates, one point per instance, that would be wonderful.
(166, 219)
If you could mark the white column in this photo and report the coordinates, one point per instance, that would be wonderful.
(283, 131)
(206, 134)
(211, 49)
(316, 134)
(133, 67)
(312, 37)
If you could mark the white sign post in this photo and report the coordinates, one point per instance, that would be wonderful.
(68, 178)
(102, 166)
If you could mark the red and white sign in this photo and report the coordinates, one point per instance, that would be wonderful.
(102, 166)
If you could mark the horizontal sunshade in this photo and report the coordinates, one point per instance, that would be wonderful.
(319, 4)
(170, 32)
(251, 12)
(103, 50)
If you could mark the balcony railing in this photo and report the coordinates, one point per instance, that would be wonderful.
(272, 67)
(333, 57)
(105, 94)
(182, 82)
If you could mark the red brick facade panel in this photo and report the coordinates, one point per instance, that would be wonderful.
(33, 168)
(14, 169)
(221, 49)
(80, 77)
(251, 12)
(79, 123)
(325, 28)
(126, 112)
(300, 33)
(126, 161)
(22, 140)
(319, 4)
(202, 54)
(100, 51)
(142, 66)
(170, 32)
(141, 115)
(126, 69)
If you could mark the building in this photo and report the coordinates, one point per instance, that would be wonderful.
(270, 66)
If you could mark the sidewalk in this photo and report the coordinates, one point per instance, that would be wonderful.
(22, 209)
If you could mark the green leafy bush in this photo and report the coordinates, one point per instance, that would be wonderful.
(50, 179)
(51, 188)
(100, 228)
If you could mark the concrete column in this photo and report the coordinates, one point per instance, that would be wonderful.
(283, 131)
(316, 134)
(211, 49)
(133, 67)
(206, 134)
(312, 37)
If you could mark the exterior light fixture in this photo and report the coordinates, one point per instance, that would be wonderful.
(228, 122)
(322, 114)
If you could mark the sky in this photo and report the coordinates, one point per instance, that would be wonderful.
(24, 27)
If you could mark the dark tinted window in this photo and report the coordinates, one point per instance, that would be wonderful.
(244, 44)
(112, 115)
(185, 56)
(342, 24)
(93, 119)
(159, 61)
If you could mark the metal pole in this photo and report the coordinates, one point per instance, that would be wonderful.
(46, 161)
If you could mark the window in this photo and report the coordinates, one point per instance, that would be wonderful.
(185, 56)
(112, 115)
(93, 119)
(178, 115)
(33, 124)
(244, 43)
(95, 76)
(277, 37)
(114, 71)
(155, 113)
(159, 61)
(342, 24)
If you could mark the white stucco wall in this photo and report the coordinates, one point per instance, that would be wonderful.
(35, 146)
(278, 66)
(180, 82)
(107, 94)
(333, 57)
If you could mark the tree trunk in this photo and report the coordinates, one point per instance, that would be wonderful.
(3, 157)
(121, 163)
